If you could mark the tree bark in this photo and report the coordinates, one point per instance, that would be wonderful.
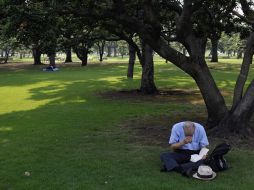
(247, 61)
(109, 51)
(132, 58)
(214, 52)
(101, 47)
(52, 59)
(82, 54)
(194, 65)
(238, 119)
(7, 52)
(37, 56)
(68, 58)
(101, 57)
(115, 49)
(147, 80)
(84, 59)
(215, 103)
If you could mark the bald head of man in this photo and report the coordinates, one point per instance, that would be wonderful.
(189, 128)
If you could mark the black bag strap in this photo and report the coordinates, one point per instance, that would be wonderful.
(220, 150)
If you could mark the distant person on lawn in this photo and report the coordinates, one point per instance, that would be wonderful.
(186, 138)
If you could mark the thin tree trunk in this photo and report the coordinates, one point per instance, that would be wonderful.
(214, 49)
(109, 51)
(115, 50)
(238, 120)
(68, 58)
(101, 57)
(36, 56)
(52, 59)
(84, 59)
(101, 46)
(6, 55)
(241, 80)
(102, 49)
(132, 58)
(240, 54)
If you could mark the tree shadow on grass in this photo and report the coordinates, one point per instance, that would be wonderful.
(156, 130)
(74, 134)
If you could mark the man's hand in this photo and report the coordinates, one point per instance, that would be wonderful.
(187, 140)
(180, 144)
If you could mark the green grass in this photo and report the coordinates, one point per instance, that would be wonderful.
(56, 127)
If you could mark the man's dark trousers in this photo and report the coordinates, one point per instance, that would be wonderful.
(179, 160)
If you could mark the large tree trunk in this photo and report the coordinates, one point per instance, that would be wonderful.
(215, 103)
(147, 80)
(36, 56)
(68, 58)
(214, 49)
(132, 58)
(196, 67)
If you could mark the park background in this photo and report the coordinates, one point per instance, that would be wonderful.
(102, 120)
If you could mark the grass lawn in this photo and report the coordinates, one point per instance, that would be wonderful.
(57, 127)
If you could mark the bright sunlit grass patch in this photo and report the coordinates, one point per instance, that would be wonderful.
(20, 98)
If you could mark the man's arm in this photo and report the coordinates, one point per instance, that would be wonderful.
(180, 144)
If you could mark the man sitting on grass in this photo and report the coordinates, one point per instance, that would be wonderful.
(186, 138)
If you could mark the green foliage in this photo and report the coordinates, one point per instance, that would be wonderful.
(123, 48)
(32, 23)
(230, 43)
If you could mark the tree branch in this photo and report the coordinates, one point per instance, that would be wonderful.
(184, 22)
(241, 80)
(245, 7)
(173, 5)
(243, 18)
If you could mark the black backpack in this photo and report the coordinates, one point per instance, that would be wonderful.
(216, 160)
